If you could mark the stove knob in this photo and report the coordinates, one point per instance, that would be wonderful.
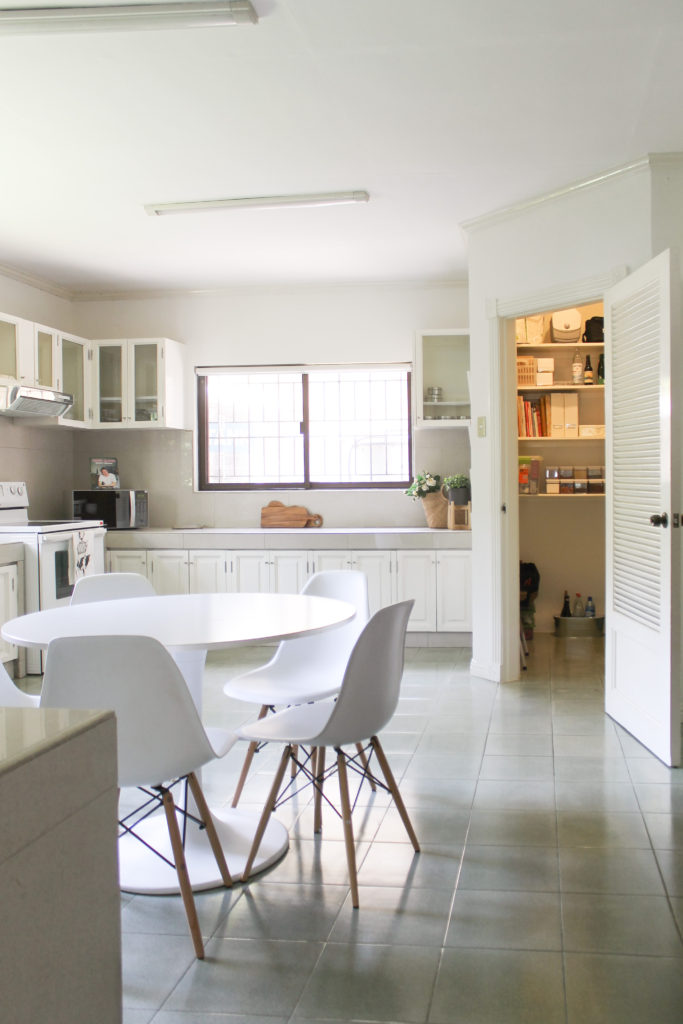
(20, 489)
(12, 488)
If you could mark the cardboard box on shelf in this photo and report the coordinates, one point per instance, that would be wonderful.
(571, 414)
(545, 365)
(592, 430)
(544, 379)
(557, 415)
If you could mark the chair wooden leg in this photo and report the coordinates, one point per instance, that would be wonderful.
(267, 811)
(364, 761)
(248, 758)
(183, 877)
(212, 835)
(319, 772)
(398, 799)
(348, 826)
(295, 753)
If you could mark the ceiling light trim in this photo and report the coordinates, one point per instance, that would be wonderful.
(121, 17)
(259, 202)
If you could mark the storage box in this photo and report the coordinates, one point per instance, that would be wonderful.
(545, 365)
(552, 472)
(529, 474)
(566, 326)
(596, 486)
(571, 415)
(544, 379)
(580, 487)
(592, 430)
(552, 487)
(594, 472)
(580, 473)
(557, 415)
(566, 472)
(566, 486)
(579, 626)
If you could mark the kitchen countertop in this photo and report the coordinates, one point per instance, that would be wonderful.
(384, 538)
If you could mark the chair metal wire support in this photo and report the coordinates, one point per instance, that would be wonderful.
(149, 807)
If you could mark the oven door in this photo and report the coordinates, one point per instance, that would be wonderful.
(56, 566)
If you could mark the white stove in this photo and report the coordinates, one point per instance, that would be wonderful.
(56, 553)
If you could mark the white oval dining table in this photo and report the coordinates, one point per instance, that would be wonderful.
(189, 625)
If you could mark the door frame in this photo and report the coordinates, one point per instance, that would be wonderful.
(505, 499)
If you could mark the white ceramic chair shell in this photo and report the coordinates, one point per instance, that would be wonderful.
(111, 586)
(364, 705)
(308, 668)
(160, 737)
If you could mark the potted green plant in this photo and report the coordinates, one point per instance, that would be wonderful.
(458, 488)
(427, 488)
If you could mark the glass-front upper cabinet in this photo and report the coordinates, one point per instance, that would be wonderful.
(138, 383)
(16, 350)
(46, 355)
(442, 363)
(74, 364)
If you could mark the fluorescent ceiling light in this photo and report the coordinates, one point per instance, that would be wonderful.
(121, 17)
(265, 202)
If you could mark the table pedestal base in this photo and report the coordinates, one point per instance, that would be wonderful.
(141, 871)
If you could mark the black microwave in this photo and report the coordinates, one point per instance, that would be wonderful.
(118, 509)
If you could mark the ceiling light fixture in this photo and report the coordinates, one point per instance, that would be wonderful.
(121, 17)
(264, 202)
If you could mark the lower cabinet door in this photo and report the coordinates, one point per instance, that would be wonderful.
(9, 608)
(127, 561)
(168, 571)
(380, 569)
(288, 571)
(416, 579)
(209, 571)
(454, 591)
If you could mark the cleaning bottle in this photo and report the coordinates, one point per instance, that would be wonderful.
(566, 610)
(577, 607)
(590, 608)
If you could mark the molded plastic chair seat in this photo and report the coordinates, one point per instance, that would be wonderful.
(10, 694)
(160, 738)
(366, 702)
(111, 586)
(308, 668)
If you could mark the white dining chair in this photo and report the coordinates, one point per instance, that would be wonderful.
(111, 586)
(307, 668)
(161, 741)
(364, 705)
(10, 694)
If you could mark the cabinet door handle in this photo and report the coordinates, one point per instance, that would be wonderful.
(660, 520)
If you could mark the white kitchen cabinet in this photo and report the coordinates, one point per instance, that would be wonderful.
(47, 364)
(138, 383)
(169, 571)
(442, 362)
(9, 606)
(127, 561)
(210, 572)
(265, 572)
(16, 350)
(74, 372)
(454, 591)
(416, 579)
(379, 567)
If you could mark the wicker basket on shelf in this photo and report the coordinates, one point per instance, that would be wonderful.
(526, 371)
(435, 508)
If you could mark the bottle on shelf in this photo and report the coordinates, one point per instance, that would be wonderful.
(577, 607)
(588, 371)
(590, 608)
(601, 368)
(566, 610)
(577, 368)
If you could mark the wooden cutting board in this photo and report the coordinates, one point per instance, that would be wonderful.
(275, 514)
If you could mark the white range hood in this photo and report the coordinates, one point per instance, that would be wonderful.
(25, 400)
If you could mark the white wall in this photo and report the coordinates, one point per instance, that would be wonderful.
(563, 240)
(288, 325)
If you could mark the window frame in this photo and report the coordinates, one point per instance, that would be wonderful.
(202, 374)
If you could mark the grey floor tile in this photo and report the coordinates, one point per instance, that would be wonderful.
(396, 864)
(515, 795)
(607, 829)
(371, 983)
(516, 766)
(272, 910)
(610, 870)
(589, 769)
(166, 914)
(192, 1017)
(505, 920)
(509, 828)
(607, 923)
(625, 989)
(396, 916)
(525, 868)
(671, 866)
(481, 986)
(527, 745)
(246, 976)
(666, 830)
(660, 798)
(432, 825)
(596, 796)
(152, 966)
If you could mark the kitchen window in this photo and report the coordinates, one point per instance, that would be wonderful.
(311, 427)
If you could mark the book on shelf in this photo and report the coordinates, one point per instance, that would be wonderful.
(533, 416)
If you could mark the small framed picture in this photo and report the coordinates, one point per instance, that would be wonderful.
(104, 472)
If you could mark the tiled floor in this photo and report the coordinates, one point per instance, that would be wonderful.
(549, 889)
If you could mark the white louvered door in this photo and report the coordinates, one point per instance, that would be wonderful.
(642, 668)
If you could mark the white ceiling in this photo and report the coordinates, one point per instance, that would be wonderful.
(444, 110)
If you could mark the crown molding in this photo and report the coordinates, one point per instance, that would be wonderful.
(33, 281)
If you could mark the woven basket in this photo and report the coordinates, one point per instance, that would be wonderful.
(436, 510)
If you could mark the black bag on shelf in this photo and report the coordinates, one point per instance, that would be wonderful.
(595, 330)
(529, 579)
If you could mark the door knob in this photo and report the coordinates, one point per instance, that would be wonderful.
(657, 520)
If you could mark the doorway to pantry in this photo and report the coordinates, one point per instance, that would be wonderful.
(560, 429)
